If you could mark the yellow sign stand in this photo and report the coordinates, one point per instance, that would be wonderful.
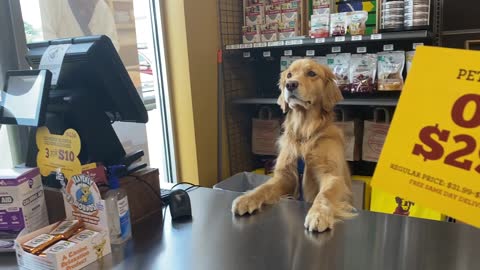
(432, 152)
(58, 151)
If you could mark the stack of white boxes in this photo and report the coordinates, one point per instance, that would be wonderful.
(271, 20)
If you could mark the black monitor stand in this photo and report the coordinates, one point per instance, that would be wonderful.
(99, 142)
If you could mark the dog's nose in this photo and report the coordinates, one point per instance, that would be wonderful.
(292, 85)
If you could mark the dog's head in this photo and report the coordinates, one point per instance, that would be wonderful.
(307, 85)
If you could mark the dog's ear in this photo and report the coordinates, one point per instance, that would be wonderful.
(281, 85)
(332, 94)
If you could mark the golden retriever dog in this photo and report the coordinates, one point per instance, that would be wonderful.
(308, 95)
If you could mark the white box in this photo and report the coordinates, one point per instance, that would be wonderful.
(22, 201)
(254, 15)
(75, 257)
(273, 13)
(269, 32)
(251, 34)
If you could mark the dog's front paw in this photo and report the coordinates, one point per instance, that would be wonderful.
(247, 203)
(319, 219)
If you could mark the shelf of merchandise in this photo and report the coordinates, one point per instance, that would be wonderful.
(340, 40)
(346, 102)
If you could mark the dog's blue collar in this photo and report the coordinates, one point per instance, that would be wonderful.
(300, 170)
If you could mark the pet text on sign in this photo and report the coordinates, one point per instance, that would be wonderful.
(432, 152)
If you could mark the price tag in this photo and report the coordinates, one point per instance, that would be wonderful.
(388, 47)
(248, 46)
(242, 46)
(260, 45)
(357, 38)
(415, 45)
(310, 53)
(58, 151)
(266, 54)
(275, 43)
(320, 40)
(294, 42)
(246, 54)
(287, 53)
(431, 155)
(375, 36)
(229, 47)
(235, 46)
(340, 39)
(361, 49)
(336, 49)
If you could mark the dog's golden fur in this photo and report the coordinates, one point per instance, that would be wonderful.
(309, 133)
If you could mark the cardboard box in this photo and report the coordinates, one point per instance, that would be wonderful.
(22, 200)
(82, 201)
(75, 257)
(254, 15)
(273, 13)
(269, 32)
(251, 34)
(288, 30)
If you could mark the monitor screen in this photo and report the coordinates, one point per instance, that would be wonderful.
(22, 102)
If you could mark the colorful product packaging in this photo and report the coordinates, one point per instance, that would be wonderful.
(254, 15)
(273, 13)
(320, 25)
(269, 32)
(251, 34)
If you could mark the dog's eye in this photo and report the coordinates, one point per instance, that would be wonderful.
(311, 74)
(289, 75)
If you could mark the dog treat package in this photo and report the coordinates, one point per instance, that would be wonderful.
(285, 61)
(58, 247)
(83, 235)
(357, 23)
(251, 34)
(254, 15)
(320, 7)
(38, 244)
(269, 32)
(322, 60)
(338, 24)
(363, 69)
(320, 25)
(287, 30)
(340, 66)
(273, 13)
(66, 228)
(390, 70)
(409, 56)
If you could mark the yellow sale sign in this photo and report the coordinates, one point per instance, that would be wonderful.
(58, 151)
(432, 152)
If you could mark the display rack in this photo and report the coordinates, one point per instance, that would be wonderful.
(251, 72)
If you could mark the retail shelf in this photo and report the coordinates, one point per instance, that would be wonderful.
(345, 102)
(306, 42)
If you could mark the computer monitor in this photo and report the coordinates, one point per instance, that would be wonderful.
(93, 90)
(24, 98)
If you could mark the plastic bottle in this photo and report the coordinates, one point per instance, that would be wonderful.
(116, 202)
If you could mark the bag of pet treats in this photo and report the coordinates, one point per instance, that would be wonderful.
(357, 23)
(390, 70)
(340, 66)
(265, 132)
(350, 134)
(374, 135)
(320, 25)
(363, 69)
(338, 24)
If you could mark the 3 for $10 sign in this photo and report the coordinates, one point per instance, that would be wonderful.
(432, 151)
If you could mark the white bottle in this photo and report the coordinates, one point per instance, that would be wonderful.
(118, 212)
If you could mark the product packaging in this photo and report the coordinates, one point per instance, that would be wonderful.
(291, 11)
(322, 60)
(357, 23)
(340, 66)
(251, 34)
(338, 24)
(84, 211)
(22, 201)
(273, 13)
(285, 61)
(363, 69)
(390, 70)
(265, 133)
(374, 135)
(287, 30)
(254, 15)
(320, 7)
(269, 32)
(320, 25)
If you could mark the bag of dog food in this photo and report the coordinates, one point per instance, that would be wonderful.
(340, 66)
(356, 22)
(390, 70)
(338, 24)
(363, 69)
(320, 25)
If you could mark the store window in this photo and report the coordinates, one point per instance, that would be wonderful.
(129, 25)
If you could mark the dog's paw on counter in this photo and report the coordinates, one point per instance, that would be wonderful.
(319, 219)
(246, 204)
